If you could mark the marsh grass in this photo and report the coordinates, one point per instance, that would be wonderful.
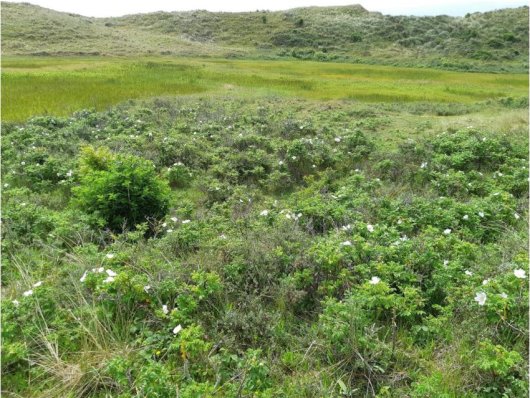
(59, 86)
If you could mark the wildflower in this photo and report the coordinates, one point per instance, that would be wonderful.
(280, 162)
(6, 185)
(517, 216)
(337, 139)
(109, 279)
(520, 273)
(164, 225)
(292, 216)
(37, 284)
(169, 231)
(293, 157)
(446, 263)
(423, 165)
(69, 173)
(164, 309)
(147, 288)
(481, 214)
(468, 273)
(447, 231)
(186, 221)
(177, 329)
(346, 227)
(110, 256)
(83, 278)
(485, 282)
(16, 303)
(23, 163)
(480, 298)
(466, 217)
(370, 228)
(99, 270)
(264, 213)
(222, 236)
(346, 243)
(504, 295)
(375, 280)
(174, 219)
(27, 293)
(111, 273)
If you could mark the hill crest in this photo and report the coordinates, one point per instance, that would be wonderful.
(495, 40)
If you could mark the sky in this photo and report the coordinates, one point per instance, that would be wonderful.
(111, 8)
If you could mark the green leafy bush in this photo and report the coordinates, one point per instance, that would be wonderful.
(179, 176)
(501, 368)
(120, 191)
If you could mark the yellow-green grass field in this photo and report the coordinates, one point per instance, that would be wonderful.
(58, 86)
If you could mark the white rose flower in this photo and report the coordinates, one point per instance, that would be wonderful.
(177, 329)
(520, 273)
(480, 298)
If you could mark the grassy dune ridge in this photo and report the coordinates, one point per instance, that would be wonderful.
(490, 41)
(59, 86)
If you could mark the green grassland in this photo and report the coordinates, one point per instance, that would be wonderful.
(59, 86)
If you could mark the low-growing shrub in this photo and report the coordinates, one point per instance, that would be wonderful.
(179, 176)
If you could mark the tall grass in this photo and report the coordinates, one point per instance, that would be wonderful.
(80, 373)
(59, 86)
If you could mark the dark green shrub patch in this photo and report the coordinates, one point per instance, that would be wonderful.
(119, 191)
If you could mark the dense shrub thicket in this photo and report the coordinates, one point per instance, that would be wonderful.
(250, 249)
